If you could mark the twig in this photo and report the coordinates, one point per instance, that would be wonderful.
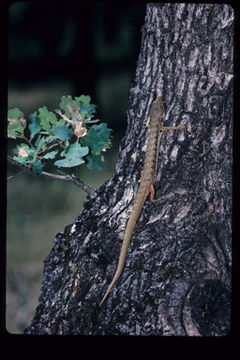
(50, 147)
(13, 176)
(72, 178)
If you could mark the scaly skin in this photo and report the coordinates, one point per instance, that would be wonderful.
(147, 181)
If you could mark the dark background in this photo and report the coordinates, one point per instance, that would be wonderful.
(55, 49)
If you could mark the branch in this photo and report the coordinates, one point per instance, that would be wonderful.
(50, 147)
(72, 178)
(13, 176)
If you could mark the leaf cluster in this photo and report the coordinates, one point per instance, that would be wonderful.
(67, 136)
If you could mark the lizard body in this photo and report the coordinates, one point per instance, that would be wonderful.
(148, 176)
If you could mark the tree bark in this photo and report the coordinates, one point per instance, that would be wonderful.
(176, 279)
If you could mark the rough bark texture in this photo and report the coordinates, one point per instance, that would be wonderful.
(176, 280)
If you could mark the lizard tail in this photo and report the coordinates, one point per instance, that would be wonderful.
(127, 237)
(122, 257)
(115, 278)
(123, 253)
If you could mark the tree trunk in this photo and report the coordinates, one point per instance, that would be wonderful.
(176, 279)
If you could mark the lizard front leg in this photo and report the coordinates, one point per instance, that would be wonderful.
(180, 126)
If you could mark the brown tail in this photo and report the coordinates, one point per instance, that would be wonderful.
(127, 237)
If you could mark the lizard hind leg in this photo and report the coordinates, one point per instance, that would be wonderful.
(148, 121)
(152, 194)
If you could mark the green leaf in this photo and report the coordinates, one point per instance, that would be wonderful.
(97, 138)
(83, 99)
(50, 132)
(15, 113)
(22, 160)
(47, 118)
(73, 156)
(30, 159)
(63, 133)
(59, 122)
(51, 154)
(11, 134)
(37, 167)
(88, 110)
(15, 130)
(67, 101)
(95, 162)
(26, 154)
(81, 103)
(16, 123)
(35, 125)
(41, 143)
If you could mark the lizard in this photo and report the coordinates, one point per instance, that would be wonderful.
(147, 180)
